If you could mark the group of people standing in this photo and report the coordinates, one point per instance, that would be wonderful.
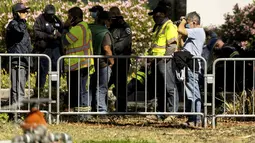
(109, 35)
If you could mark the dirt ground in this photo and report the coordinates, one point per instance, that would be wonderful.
(127, 130)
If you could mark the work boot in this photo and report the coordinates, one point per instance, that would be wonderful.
(193, 124)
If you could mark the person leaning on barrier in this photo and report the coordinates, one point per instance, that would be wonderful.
(102, 45)
(122, 36)
(18, 42)
(190, 27)
(164, 43)
(77, 40)
(222, 50)
(47, 30)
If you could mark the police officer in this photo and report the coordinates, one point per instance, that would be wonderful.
(122, 37)
(47, 29)
(164, 42)
(18, 42)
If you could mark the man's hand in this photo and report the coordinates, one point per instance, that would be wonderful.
(183, 18)
(68, 23)
(111, 65)
(181, 27)
(57, 34)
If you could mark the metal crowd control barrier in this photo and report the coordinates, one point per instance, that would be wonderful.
(79, 103)
(17, 73)
(238, 77)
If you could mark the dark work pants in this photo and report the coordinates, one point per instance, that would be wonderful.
(18, 80)
(78, 94)
(166, 88)
(119, 79)
(54, 54)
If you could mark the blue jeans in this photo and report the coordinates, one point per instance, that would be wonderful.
(99, 88)
(193, 95)
(166, 88)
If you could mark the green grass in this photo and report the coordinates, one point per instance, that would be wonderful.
(128, 130)
(116, 141)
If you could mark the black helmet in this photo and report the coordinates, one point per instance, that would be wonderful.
(49, 9)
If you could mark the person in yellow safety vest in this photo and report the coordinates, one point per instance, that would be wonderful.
(137, 82)
(164, 43)
(78, 41)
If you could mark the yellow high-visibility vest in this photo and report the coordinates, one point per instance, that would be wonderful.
(80, 39)
(140, 76)
(163, 37)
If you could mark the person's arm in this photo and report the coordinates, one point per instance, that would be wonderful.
(181, 28)
(107, 44)
(19, 27)
(68, 37)
(171, 37)
(180, 41)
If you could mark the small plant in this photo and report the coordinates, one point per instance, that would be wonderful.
(243, 103)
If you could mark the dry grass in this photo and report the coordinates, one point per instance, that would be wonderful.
(125, 131)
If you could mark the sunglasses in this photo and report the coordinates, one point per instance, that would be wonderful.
(23, 11)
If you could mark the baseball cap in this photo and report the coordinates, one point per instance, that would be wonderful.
(162, 9)
(19, 7)
(96, 8)
(104, 15)
(49, 9)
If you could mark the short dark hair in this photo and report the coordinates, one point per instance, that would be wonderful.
(194, 16)
(76, 12)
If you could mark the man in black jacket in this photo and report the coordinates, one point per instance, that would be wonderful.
(122, 37)
(47, 29)
(18, 42)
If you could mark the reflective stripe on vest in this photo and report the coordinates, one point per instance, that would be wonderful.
(72, 37)
(85, 45)
(75, 63)
(234, 54)
(159, 43)
(76, 66)
(140, 76)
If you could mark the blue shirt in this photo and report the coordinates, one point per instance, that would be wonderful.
(195, 41)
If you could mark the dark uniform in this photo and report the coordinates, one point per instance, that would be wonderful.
(122, 36)
(18, 42)
(46, 42)
(227, 52)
